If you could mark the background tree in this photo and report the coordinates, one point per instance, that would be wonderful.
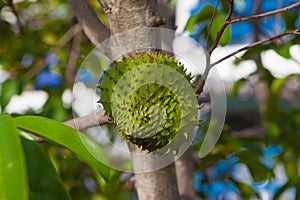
(43, 44)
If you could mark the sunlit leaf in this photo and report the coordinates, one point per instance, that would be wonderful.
(204, 14)
(258, 171)
(236, 86)
(283, 50)
(216, 25)
(274, 98)
(82, 145)
(291, 168)
(8, 89)
(252, 53)
(290, 19)
(13, 178)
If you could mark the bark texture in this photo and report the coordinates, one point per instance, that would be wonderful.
(130, 14)
(185, 175)
(154, 185)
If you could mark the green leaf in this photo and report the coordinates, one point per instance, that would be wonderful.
(273, 130)
(225, 6)
(80, 144)
(258, 171)
(274, 98)
(13, 179)
(216, 25)
(236, 86)
(204, 14)
(44, 182)
(291, 168)
(283, 50)
(8, 89)
(289, 19)
(245, 189)
(252, 53)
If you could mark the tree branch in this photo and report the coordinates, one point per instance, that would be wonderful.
(293, 32)
(254, 132)
(93, 28)
(222, 29)
(229, 21)
(88, 121)
(258, 16)
(211, 22)
(73, 31)
(74, 53)
(212, 48)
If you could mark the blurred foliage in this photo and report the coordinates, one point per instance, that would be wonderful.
(37, 39)
(280, 117)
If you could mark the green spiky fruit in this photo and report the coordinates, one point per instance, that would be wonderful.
(150, 100)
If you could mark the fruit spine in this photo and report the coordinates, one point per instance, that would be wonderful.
(149, 114)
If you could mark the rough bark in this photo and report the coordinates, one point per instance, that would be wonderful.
(154, 185)
(131, 14)
(185, 175)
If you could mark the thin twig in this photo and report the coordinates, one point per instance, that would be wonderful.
(293, 32)
(204, 76)
(74, 30)
(20, 26)
(212, 48)
(239, 19)
(211, 22)
(80, 123)
(67, 37)
(223, 27)
(74, 53)
(88, 121)
(258, 16)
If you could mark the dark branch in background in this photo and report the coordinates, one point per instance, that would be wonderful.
(256, 6)
(293, 32)
(93, 28)
(229, 21)
(211, 22)
(69, 35)
(74, 53)
(20, 27)
(14, 11)
(253, 132)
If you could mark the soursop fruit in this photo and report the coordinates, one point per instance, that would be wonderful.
(150, 100)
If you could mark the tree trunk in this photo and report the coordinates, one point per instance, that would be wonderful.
(122, 16)
(185, 175)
